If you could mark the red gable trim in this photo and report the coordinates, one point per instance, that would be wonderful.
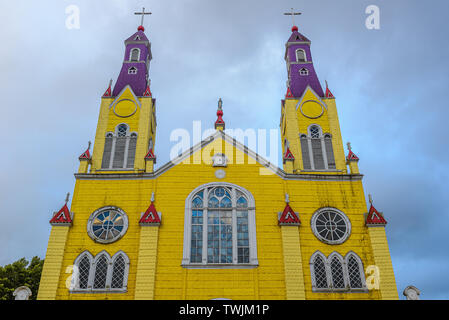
(150, 217)
(289, 217)
(85, 155)
(329, 93)
(147, 92)
(288, 94)
(150, 155)
(288, 155)
(351, 156)
(375, 218)
(62, 217)
(108, 92)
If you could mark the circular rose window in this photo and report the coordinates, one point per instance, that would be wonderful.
(331, 226)
(107, 224)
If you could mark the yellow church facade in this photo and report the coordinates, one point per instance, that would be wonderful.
(219, 221)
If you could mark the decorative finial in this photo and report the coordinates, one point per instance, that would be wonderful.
(220, 104)
(67, 197)
(152, 196)
(326, 83)
(220, 122)
(293, 14)
(143, 13)
(370, 199)
(349, 146)
(287, 198)
(89, 144)
(110, 83)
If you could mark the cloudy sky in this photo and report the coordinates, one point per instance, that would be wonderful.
(390, 85)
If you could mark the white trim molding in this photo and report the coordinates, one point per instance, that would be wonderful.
(233, 190)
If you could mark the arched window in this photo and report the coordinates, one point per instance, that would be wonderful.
(119, 149)
(301, 55)
(219, 227)
(101, 273)
(355, 271)
(132, 70)
(317, 151)
(336, 266)
(134, 54)
(337, 274)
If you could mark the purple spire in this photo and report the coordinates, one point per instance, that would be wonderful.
(136, 64)
(301, 72)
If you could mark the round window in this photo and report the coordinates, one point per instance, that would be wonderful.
(107, 224)
(331, 226)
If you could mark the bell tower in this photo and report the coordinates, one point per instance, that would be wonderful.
(310, 130)
(126, 127)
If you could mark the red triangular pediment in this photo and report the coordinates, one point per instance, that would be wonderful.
(329, 93)
(289, 93)
(62, 216)
(351, 156)
(108, 92)
(85, 155)
(150, 216)
(288, 216)
(150, 155)
(147, 92)
(374, 217)
(288, 155)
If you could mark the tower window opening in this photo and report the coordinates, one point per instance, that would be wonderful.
(301, 55)
(132, 70)
(317, 150)
(135, 54)
(119, 148)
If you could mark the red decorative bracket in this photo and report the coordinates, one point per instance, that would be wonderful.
(147, 92)
(150, 155)
(289, 94)
(151, 217)
(375, 218)
(86, 154)
(288, 217)
(351, 155)
(328, 92)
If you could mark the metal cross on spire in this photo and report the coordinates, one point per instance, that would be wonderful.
(349, 146)
(293, 14)
(143, 13)
(370, 199)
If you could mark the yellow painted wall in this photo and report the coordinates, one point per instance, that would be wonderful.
(172, 281)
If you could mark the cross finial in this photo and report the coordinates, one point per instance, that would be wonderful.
(220, 104)
(293, 14)
(349, 146)
(152, 196)
(370, 199)
(89, 144)
(287, 198)
(143, 13)
(67, 197)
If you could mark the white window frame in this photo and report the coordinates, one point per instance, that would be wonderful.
(297, 57)
(93, 260)
(343, 261)
(253, 261)
(131, 54)
(319, 237)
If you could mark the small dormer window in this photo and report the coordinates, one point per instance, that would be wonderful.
(135, 54)
(132, 70)
(301, 55)
(137, 38)
(303, 72)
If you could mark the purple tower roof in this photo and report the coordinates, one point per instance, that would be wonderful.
(136, 64)
(301, 72)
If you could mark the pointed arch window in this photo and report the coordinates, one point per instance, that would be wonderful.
(101, 273)
(337, 274)
(134, 54)
(301, 55)
(219, 227)
(317, 150)
(119, 148)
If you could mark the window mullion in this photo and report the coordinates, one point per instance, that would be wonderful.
(234, 226)
(125, 160)
(309, 144)
(323, 148)
(114, 141)
(205, 213)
